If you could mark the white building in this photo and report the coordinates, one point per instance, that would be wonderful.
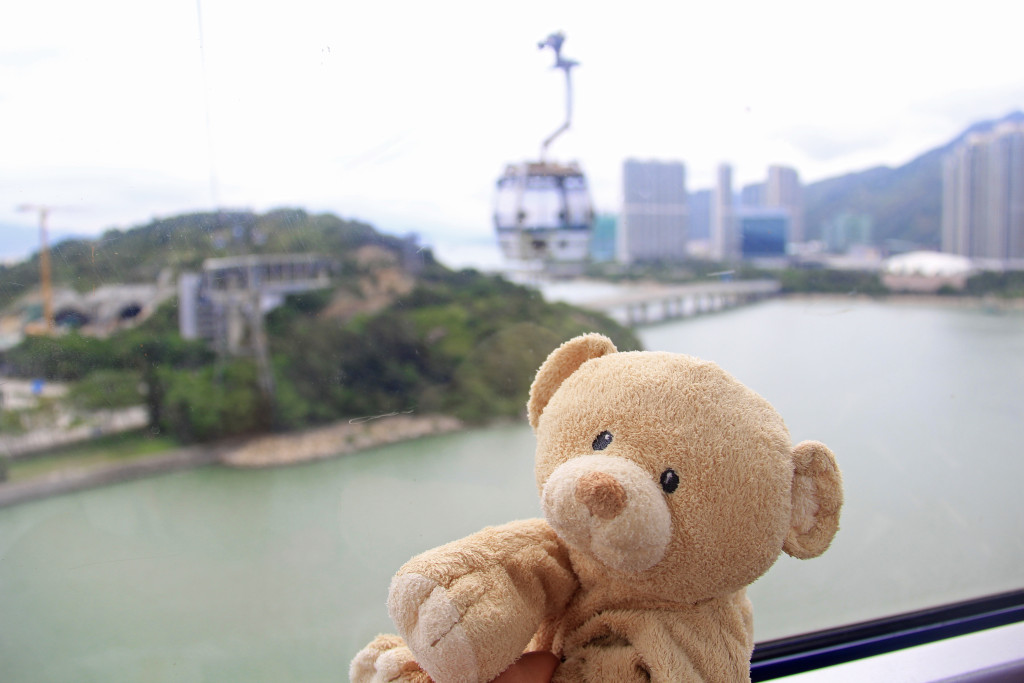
(724, 242)
(983, 195)
(655, 216)
(784, 191)
(926, 271)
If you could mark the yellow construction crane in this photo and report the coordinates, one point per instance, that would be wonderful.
(45, 276)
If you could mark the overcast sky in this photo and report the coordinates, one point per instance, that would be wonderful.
(404, 113)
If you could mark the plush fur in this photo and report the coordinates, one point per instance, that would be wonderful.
(667, 487)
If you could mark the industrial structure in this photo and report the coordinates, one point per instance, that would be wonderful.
(225, 303)
(98, 312)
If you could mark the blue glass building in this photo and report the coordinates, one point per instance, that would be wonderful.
(763, 232)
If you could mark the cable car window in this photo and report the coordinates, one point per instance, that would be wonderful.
(506, 205)
(577, 203)
(543, 202)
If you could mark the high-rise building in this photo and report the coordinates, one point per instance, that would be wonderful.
(847, 230)
(654, 212)
(762, 232)
(724, 245)
(983, 195)
(602, 241)
(752, 196)
(783, 191)
(699, 204)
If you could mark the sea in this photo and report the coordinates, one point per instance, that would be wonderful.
(282, 574)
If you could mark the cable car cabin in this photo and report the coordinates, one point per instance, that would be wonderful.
(543, 212)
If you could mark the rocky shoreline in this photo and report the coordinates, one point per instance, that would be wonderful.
(337, 439)
(275, 450)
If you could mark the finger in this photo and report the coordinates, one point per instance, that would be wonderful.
(533, 667)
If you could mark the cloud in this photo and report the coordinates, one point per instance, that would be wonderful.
(822, 144)
(88, 200)
(27, 57)
(972, 105)
(407, 123)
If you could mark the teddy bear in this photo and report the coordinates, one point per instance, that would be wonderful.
(667, 487)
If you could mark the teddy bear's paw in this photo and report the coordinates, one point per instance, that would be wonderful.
(430, 622)
(385, 660)
(617, 664)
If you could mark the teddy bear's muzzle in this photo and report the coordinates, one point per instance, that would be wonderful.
(610, 508)
(602, 494)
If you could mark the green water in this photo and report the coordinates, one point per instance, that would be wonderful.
(279, 575)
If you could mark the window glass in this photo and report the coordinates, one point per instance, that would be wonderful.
(542, 202)
(506, 204)
(260, 345)
(577, 202)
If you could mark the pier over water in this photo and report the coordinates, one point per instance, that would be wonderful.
(654, 303)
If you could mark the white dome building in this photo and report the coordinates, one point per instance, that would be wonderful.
(926, 271)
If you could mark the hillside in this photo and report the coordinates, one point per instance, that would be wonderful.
(140, 254)
(905, 202)
(395, 332)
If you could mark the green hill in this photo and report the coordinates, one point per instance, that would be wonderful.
(905, 203)
(179, 243)
(396, 331)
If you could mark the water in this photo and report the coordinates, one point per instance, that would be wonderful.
(923, 409)
(217, 575)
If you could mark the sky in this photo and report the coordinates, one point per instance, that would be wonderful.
(403, 114)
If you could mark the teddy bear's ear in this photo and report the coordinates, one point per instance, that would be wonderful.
(562, 362)
(817, 497)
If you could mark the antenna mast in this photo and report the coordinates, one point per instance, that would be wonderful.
(554, 41)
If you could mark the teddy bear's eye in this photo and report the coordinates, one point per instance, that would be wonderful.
(602, 441)
(669, 480)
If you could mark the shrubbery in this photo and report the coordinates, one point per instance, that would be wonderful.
(824, 281)
(1006, 284)
(67, 358)
(462, 343)
(107, 389)
(212, 403)
(70, 357)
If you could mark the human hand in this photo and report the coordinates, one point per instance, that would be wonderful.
(533, 667)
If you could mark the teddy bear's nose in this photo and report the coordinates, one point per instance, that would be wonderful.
(602, 494)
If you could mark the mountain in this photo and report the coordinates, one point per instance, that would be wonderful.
(905, 203)
(181, 243)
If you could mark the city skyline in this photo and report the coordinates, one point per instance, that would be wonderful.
(404, 116)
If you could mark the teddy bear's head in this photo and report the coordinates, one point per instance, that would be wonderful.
(665, 472)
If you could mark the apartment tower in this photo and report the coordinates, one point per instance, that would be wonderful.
(724, 245)
(654, 222)
(783, 191)
(983, 195)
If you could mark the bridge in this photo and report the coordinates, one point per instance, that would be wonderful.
(655, 303)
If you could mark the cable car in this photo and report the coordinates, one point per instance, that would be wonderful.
(542, 209)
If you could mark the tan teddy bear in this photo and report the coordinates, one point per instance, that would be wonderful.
(667, 487)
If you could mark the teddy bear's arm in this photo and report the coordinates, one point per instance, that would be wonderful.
(469, 608)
